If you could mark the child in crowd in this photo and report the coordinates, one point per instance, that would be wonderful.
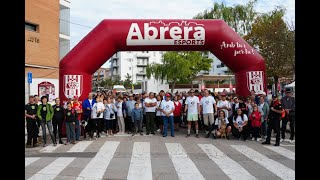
(137, 117)
(255, 118)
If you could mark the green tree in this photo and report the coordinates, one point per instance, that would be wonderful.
(273, 39)
(239, 17)
(117, 80)
(179, 66)
(128, 81)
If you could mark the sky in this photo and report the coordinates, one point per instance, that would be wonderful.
(85, 15)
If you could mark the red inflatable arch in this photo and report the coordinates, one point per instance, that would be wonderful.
(110, 36)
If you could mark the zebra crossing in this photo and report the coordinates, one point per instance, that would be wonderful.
(145, 160)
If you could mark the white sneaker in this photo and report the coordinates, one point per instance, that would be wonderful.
(158, 130)
(265, 137)
(291, 141)
(252, 139)
(258, 139)
(281, 140)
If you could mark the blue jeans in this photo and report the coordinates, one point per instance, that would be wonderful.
(78, 130)
(165, 125)
(70, 131)
(264, 128)
(44, 133)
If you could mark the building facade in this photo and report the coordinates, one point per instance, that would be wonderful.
(43, 39)
(134, 63)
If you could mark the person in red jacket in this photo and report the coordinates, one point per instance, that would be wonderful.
(177, 113)
(77, 106)
(255, 118)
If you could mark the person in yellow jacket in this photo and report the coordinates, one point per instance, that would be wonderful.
(45, 114)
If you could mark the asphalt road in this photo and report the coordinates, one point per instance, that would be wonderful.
(154, 157)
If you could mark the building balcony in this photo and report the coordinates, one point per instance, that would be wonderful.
(224, 68)
(143, 55)
(142, 65)
(141, 73)
(65, 3)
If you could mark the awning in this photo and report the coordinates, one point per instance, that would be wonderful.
(293, 84)
(213, 77)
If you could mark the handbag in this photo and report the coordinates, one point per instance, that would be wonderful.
(111, 114)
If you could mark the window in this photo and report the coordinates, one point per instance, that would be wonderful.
(138, 61)
(129, 68)
(30, 26)
(154, 53)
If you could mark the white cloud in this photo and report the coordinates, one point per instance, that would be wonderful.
(90, 13)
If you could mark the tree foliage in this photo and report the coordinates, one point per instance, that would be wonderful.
(239, 17)
(179, 66)
(128, 81)
(275, 42)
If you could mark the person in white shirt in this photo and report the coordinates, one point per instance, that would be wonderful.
(208, 108)
(96, 115)
(150, 104)
(240, 122)
(193, 107)
(217, 125)
(159, 119)
(225, 105)
(167, 108)
(120, 113)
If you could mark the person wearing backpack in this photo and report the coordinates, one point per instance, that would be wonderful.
(45, 114)
(71, 117)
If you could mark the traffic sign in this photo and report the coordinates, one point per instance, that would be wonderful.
(29, 77)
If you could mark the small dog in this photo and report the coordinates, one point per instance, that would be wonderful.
(223, 129)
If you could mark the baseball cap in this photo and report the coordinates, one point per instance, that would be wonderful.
(168, 95)
(75, 97)
(130, 95)
(288, 90)
(274, 96)
(192, 91)
(223, 94)
(235, 97)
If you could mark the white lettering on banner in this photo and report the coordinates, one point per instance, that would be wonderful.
(72, 85)
(184, 33)
(255, 81)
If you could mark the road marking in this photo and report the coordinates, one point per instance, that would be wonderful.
(122, 135)
(140, 165)
(96, 168)
(288, 145)
(80, 146)
(30, 160)
(50, 148)
(278, 169)
(283, 151)
(227, 165)
(53, 169)
(183, 165)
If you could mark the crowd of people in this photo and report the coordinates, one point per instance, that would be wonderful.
(107, 113)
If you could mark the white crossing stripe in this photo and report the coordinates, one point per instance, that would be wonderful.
(227, 165)
(140, 165)
(278, 169)
(53, 169)
(283, 151)
(50, 148)
(96, 168)
(30, 160)
(80, 146)
(183, 165)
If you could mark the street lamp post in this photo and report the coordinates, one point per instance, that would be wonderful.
(131, 74)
